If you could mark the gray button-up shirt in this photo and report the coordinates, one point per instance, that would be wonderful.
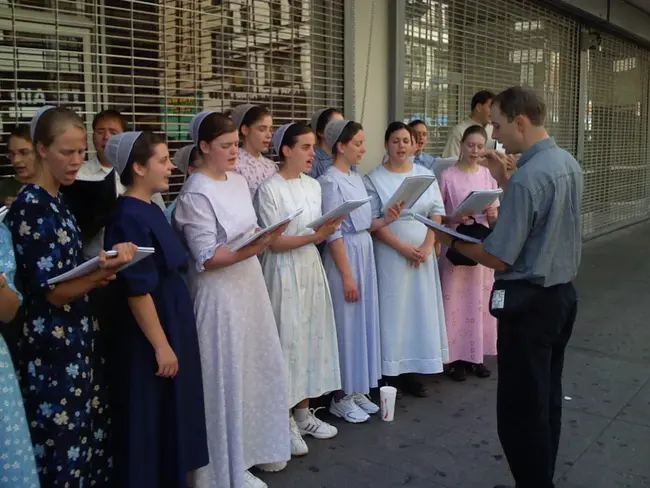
(538, 231)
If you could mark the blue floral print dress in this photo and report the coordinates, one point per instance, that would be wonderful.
(60, 370)
(17, 469)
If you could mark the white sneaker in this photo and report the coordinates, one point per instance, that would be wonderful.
(298, 444)
(347, 410)
(272, 467)
(314, 426)
(364, 402)
(251, 481)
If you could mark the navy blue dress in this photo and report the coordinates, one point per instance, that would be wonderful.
(158, 423)
(59, 364)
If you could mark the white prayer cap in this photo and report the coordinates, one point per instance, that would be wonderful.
(333, 131)
(278, 136)
(195, 124)
(182, 157)
(118, 149)
(34, 123)
(239, 112)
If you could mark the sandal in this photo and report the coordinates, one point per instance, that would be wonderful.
(413, 386)
(481, 371)
(457, 371)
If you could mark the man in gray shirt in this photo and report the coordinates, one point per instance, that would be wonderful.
(535, 249)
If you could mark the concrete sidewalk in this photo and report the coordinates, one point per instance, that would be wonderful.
(449, 439)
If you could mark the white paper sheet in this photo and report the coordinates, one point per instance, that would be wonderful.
(411, 189)
(446, 230)
(265, 231)
(93, 264)
(3, 213)
(342, 211)
(477, 201)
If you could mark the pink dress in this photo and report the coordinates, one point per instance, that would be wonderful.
(255, 170)
(471, 330)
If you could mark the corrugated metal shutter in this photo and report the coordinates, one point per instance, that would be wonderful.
(160, 61)
(616, 142)
(458, 47)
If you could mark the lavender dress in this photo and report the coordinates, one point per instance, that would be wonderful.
(357, 323)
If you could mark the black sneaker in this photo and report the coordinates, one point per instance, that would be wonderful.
(481, 371)
(457, 371)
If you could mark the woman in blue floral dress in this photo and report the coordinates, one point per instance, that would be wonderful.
(60, 370)
(17, 469)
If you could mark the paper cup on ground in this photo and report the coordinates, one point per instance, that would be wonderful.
(387, 396)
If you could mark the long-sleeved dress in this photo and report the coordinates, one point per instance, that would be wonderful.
(244, 375)
(18, 468)
(299, 292)
(412, 320)
(61, 370)
(471, 329)
(357, 323)
(158, 423)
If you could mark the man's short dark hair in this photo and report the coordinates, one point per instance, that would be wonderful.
(109, 114)
(481, 98)
(521, 101)
(20, 131)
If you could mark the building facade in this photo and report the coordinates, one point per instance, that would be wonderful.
(161, 61)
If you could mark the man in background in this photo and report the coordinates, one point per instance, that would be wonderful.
(106, 124)
(481, 104)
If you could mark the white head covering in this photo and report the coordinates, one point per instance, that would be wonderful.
(239, 112)
(182, 157)
(316, 116)
(195, 124)
(278, 136)
(34, 123)
(118, 149)
(333, 131)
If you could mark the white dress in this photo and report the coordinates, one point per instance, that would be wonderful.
(411, 314)
(244, 375)
(299, 291)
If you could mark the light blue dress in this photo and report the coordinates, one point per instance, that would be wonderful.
(425, 160)
(322, 162)
(17, 465)
(412, 320)
(357, 324)
(169, 211)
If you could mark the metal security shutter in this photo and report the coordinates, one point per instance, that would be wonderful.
(458, 47)
(616, 143)
(161, 61)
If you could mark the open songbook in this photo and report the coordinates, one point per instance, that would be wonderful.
(341, 211)
(93, 265)
(476, 202)
(410, 191)
(446, 230)
(265, 231)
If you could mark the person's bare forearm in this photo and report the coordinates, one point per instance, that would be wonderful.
(145, 314)
(337, 248)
